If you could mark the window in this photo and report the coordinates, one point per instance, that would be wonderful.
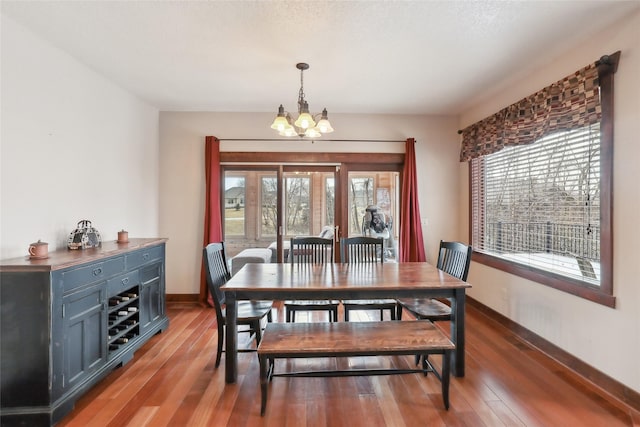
(541, 190)
(361, 191)
(250, 214)
(269, 209)
(373, 195)
(297, 205)
(541, 204)
(234, 219)
(330, 200)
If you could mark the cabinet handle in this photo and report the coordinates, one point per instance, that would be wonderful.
(145, 256)
(125, 281)
(97, 271)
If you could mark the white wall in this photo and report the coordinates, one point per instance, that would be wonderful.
(182, 138)
(608, 339)
(73, 146)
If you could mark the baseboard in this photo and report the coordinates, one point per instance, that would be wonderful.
(618, 394)
(186, 298)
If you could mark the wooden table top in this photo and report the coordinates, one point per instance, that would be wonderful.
(378, 276)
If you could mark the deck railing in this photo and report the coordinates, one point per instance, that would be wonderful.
(563, 239)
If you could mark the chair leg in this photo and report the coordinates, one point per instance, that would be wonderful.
(288, 314)
(426, 366)
(393, 313)
(220, 343)
(346, 314)
(264, 369)
(399, 312)
(446, 364)
(257, 327)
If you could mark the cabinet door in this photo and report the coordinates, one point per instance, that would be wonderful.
(151, 294)
(85, 332)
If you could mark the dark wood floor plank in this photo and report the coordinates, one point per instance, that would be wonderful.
(172, 381)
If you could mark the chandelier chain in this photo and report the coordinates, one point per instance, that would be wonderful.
(301, 92)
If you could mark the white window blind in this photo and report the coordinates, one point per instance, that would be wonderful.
(539, 204)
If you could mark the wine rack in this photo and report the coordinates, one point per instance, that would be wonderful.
(124, 319)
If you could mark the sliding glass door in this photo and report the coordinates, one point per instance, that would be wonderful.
(265, 206)
(255, 217)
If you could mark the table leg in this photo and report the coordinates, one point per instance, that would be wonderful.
(231, 338)
(457, 332)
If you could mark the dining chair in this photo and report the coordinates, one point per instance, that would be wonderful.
(454, 258)
(250, 313)
(306, 251)
(359, 250)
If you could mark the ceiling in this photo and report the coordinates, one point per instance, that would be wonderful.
(370, 57)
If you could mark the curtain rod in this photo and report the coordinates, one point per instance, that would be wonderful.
(311, 140)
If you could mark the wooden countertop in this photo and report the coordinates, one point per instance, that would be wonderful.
(64, 258)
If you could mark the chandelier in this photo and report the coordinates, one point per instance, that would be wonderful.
(305, 124)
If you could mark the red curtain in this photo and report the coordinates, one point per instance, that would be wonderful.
(212, 217)
(411, 245)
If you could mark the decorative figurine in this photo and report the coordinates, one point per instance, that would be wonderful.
(84, 237)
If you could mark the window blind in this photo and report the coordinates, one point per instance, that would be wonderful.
(539, 204)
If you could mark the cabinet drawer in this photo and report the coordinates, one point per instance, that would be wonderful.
(150, 272)
(143, 256)
(86, 274)
(122, 283)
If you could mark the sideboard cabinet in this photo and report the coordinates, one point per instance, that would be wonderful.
(68, 320)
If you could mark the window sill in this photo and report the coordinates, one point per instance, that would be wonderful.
(555, 281)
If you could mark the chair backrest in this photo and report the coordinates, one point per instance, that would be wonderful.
(311, 250)
(217, 273)
(454, 258)
(362, 249)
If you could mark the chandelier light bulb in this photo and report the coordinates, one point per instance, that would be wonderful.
(312, 133)
(305, 121)
(323, 124)
(280, 122)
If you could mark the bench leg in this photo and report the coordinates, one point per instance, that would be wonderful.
(446, 367)
(264, 379)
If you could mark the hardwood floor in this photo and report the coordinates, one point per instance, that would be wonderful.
(172, 382)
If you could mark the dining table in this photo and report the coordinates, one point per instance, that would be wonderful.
(340, 281)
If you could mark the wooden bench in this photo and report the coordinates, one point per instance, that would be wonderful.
(345, 339)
